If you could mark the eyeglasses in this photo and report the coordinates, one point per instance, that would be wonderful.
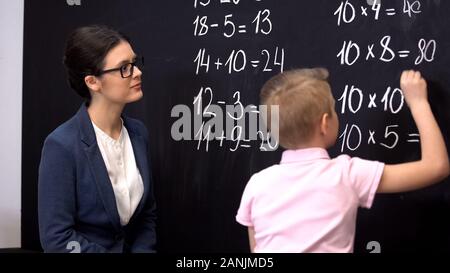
(127, 69)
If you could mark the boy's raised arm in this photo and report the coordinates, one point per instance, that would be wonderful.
(434, 164)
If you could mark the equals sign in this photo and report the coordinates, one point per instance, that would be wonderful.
(414, 138)
(255, 63)
(254, 109)
(242, 29)
(245, 145)
(390, 12)
(403, 53)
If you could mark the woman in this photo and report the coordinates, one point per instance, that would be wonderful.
(95, 187)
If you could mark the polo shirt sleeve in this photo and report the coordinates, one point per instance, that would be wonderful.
(244, 213)
(364, 177)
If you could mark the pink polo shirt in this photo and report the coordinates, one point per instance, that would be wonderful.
(308, 202)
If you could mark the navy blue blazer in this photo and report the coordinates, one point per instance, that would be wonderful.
(76, 201)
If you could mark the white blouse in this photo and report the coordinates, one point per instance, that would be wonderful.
(123, 172)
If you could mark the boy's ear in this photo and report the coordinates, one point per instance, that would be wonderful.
(324, 123)
(93, 83)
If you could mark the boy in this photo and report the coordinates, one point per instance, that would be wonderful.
(308, 202)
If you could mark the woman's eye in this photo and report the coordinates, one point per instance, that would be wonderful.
(125, 68)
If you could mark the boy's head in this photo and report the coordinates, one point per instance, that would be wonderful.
(306, 108)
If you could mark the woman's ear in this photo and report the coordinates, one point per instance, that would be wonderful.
(324, 123)
(93, 83)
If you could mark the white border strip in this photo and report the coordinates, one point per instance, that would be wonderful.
(11, 56)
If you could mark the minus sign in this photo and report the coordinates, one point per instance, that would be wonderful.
(214, 25)
(221, 102)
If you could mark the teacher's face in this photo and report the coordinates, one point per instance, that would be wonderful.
(124, 85)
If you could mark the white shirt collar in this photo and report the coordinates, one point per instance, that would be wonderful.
(107, 138)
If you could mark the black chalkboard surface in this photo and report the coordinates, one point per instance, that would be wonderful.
(207, 56)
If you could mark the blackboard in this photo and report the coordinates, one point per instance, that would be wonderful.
(364, 45)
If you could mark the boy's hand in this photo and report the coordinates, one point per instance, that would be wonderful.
(434, 164)
(414, 87)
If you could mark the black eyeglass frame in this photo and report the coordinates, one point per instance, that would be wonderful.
(133, 64)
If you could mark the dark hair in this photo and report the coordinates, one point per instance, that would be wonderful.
(85, 51)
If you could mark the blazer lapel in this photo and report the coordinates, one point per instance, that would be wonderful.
(140, 154)
(98, 167)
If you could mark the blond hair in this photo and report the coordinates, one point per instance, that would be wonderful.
(303, 96)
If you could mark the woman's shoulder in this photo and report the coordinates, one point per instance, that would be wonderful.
(65, 133)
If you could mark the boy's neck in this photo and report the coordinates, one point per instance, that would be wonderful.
(312, 144)
(318, 140)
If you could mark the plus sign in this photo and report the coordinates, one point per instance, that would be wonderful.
(218, 63)
(221, 138)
